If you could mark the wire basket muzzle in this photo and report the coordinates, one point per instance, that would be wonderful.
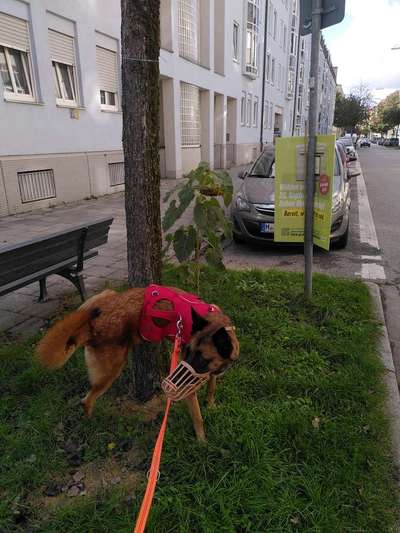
(183, 382)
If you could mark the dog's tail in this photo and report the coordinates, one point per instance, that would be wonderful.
(61, 341)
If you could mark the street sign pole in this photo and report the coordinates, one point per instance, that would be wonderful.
(312, 132)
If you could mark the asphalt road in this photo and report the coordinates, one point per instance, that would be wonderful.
(381, 169)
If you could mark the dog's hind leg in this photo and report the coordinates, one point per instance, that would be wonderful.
(195, 413)
(104, 366)
(211, 386)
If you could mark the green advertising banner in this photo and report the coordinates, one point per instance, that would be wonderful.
(290, 174)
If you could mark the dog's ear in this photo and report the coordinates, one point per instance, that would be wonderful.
(198, 322)
(223, 343)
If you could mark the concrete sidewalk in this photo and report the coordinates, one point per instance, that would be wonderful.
(20, 312)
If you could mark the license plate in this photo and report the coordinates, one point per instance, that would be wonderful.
(266, 227)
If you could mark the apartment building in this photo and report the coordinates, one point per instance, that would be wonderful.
(60, 91)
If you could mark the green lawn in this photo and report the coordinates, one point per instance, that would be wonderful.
(298, 440)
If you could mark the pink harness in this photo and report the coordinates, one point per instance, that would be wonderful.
(182, 304)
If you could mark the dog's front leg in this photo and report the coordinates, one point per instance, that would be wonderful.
(195, 413)
(212, 383)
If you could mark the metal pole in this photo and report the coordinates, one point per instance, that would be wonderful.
(312, 132)
(263, 78)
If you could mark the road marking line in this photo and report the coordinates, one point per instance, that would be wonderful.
(367, 226)
(371, 257)
(372, 271)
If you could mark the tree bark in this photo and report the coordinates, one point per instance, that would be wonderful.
(140, 38)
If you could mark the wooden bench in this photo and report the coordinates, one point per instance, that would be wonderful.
(62, 253)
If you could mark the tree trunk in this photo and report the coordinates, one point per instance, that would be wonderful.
(140, 37)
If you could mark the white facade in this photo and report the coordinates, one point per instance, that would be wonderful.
(60, 94)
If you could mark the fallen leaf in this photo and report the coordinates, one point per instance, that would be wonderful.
(316, 422)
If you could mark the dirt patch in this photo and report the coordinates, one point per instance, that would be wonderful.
(92, 479)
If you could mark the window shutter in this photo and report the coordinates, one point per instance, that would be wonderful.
(106, 64)
(14, 32)
(61, 48)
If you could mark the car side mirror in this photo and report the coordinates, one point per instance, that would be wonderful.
(352, 173)
(242, 174)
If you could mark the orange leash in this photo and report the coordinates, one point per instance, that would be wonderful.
(154, 472)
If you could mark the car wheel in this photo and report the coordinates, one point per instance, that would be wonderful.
(237, 239)
(343, 240)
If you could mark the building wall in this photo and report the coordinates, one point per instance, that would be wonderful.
(82, 146)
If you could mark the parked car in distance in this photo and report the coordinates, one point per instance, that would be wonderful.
(381, 141)
(349, 147)
(364, 142)
(253, 206)
(393, 141)
(343, 154)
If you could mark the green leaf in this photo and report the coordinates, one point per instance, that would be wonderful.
(184, 242)
(185, 196)
(200, 214)
(171, 216)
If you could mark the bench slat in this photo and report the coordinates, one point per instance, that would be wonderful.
(37, 255)
(54, 269)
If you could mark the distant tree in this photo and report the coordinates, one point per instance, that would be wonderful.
(140, 36)
(351, 112)
(386, 115)
(391, 110)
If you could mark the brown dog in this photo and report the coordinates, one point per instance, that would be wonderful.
(108, 325)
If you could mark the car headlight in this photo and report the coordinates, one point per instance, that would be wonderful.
(242, 204)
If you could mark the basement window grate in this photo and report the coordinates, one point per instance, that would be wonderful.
(36, 185)
(117, 174)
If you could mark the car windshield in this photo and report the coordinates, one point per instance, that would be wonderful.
(264, 167)
(346, 142)
(337, 178)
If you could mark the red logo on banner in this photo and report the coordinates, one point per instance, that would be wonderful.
(323, 184)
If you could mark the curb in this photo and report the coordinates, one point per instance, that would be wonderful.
(390, 380)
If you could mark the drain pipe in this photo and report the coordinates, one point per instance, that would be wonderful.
(296, 84)
(263, 77)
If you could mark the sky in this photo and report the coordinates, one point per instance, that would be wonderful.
(360, 46)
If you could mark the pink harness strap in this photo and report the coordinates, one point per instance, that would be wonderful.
(182, 304)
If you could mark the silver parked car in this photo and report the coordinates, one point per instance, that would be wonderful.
(253, 206)
(347, 142)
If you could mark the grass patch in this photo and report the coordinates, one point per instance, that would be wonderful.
(298, 440)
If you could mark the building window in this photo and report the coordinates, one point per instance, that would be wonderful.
(15, 66)
(190, 115)
(284, 38)
(236, 41)
(248, 110)
(293, 42)
(189, 29)
(273, 71)
(266, 107)
(275, 24)
(271, 110)
(281, 34)
(62, 54)
(255, 112)
(243, 109)
(64, 84)
(270, 22)
(107, 78)
(252, 29)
